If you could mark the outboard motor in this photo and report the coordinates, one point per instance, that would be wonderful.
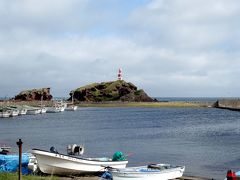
(75, 149)
(53, 150)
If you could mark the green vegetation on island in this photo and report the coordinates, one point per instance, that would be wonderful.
(110, 91)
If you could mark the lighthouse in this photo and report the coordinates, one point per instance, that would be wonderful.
(119, 74)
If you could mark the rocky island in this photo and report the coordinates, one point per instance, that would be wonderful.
(34, 95)
(118, 90)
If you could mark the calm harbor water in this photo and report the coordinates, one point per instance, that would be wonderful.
(205, 140)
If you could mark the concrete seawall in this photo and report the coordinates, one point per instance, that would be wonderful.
(232, 104)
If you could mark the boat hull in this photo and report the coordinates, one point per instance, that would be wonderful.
(43, 110)
(53, 163)
(5, 114)
(71, 108)
(23, 112)
(144, 173)
(53, 110)
(14, 112)
(33, 111)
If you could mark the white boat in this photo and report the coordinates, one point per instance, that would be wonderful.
(33, 111)
(43, 110)
(5, 113)
(55, 163)
(62, 108)
(150, 172)
(23, 111)
(53, 109)
(32, 164)
(20, 109)
(61, 105)
(71, 108)
(14, 112)
(58, 106)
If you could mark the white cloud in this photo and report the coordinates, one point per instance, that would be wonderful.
(197, 24)
(168, 48)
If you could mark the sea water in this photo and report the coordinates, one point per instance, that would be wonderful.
(205, 140)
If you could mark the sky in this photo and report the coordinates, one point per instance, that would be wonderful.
(169, 48)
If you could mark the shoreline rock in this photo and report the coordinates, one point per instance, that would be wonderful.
(34, 94)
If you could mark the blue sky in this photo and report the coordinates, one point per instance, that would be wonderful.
(180, 48)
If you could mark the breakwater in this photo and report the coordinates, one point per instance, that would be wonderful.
(231, 104)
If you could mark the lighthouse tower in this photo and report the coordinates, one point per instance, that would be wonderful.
(120, 74)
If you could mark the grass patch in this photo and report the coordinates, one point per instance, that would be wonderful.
(86, 87)
(14, 176)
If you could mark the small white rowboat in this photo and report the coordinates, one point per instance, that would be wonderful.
(150, 172)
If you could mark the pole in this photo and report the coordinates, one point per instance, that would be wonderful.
(19, 143)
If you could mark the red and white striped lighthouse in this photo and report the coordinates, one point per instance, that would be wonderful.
(119, 74)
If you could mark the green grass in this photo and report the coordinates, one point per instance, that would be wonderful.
(86, 87)
(14, 176)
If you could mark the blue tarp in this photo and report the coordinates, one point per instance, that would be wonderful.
(9, 163)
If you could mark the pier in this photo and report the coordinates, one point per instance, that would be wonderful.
(231, 104)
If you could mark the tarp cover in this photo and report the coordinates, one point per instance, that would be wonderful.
(118, 156)
(9, 163)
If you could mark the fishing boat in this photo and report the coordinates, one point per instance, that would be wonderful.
(4, 113)
(55, 163)
(43, 110)
(21, 109)
(58, 106)
(149, 172)
(71, 108)
(33, 111)
(13, 112)
(53, 109)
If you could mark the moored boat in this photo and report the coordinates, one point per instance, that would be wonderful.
(33, 111)
(43, 110)
(71, 108)
(150, 172)
(13, 112)
(55, 163)
(4, 113)
(53, 110)
(23, 111)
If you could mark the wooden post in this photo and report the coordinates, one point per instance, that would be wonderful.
(19, 143)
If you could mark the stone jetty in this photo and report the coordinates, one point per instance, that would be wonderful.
(231, 104)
